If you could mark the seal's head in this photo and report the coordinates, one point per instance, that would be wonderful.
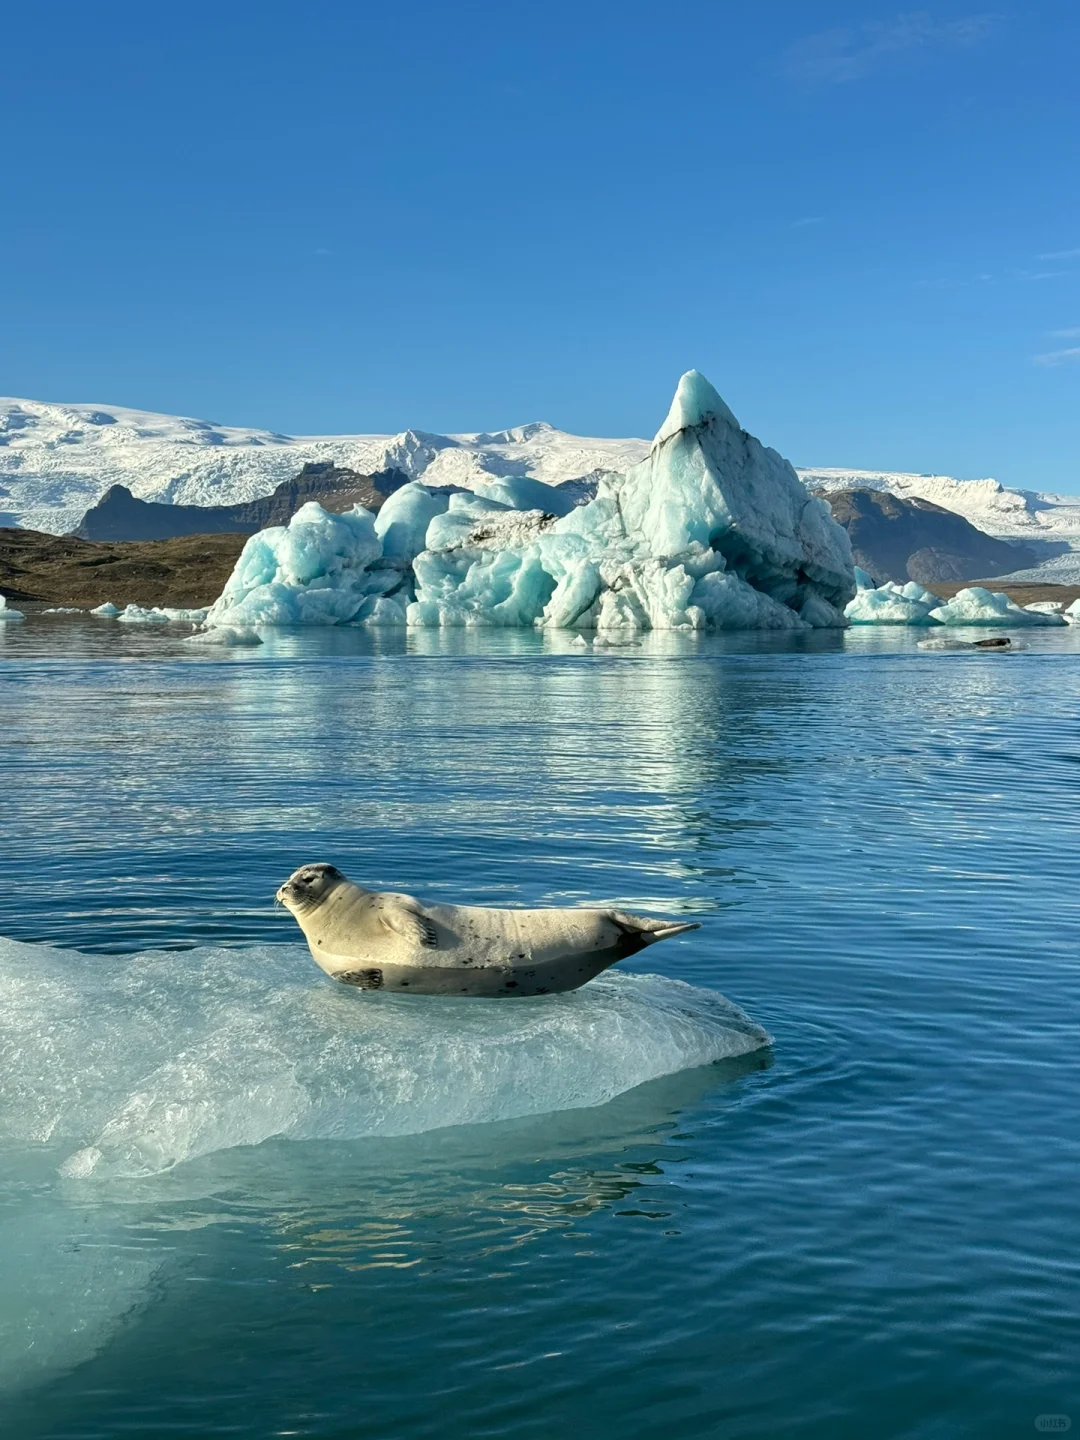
(308, 887)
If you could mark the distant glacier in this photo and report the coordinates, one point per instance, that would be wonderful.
(57, 460)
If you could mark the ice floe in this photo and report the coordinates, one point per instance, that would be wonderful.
(710, 530)
(8, 614)
(132, 1064)
(913, 604)
(226, 636)
(976, 606)
(160, 615)
(109, 610)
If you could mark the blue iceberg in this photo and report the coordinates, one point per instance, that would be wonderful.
(711, 530)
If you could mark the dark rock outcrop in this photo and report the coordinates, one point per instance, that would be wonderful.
(894, 539)
(118, 515)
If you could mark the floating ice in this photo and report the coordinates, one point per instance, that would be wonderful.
(130, 1065)
(1046, 607)
(108, 609)
(160, 615)
(63, 610)
(225, 635)
(313, 571)
(1072, 614)
(977, 606)
(863, 581)
(6, 614)
(710, 530)
(892, 604)
(1004, 646)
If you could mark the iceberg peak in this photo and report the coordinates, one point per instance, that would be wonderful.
(695, 402)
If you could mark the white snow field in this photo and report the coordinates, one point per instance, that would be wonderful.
(58, 460)
(711, 529)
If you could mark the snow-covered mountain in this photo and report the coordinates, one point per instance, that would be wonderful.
(1044, 521)
(58, 460)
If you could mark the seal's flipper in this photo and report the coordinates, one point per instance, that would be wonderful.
(407, 921)
(646, 931)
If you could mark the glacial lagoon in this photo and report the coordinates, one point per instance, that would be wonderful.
(585, 1215)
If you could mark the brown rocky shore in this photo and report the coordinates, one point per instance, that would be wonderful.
(62, 570)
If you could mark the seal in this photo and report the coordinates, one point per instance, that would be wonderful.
(380, 940)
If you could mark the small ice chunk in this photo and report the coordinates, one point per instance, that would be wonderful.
(161, 615)
(63, 610)
(997, 645)
(1072, 614)
(976, 606)
(1045, 607)
(383, 610)
(108, 610)
(226, 635)
(7, 614)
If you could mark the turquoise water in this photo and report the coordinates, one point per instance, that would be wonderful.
(867, 1229)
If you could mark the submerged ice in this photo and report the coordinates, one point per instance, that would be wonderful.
(712, 529)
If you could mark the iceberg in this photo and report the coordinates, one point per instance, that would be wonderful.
(710, 530)
(913, 604)
(891, 604)
(6, 614)
(109, 610)
(1072, 614)
(977, 606)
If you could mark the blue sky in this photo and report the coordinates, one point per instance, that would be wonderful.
(861, 222)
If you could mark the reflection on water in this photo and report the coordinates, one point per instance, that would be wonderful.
(868, 1231)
